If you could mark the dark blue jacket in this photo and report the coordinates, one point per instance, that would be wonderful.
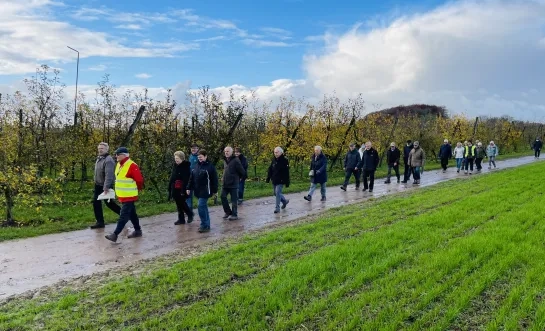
(194, 160)
(203, 180)
(406, 151)
(319, 165)
(352, 159)
(370, 160)
(244, 163)
(445, 151)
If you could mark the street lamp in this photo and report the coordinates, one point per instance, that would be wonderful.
(76, 96)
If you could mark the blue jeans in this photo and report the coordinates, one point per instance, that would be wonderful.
(313, 188)
(128, 212)
(202, 207)
(189, 200)
(241, 189)
(459, 163)
(277, 191)
(416, 173)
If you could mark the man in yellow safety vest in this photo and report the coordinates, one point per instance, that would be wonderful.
(128, 182)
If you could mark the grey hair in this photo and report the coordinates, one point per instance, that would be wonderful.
(278, 148)
(105, 145)
(318, 148)
(416, 143)
(229, 148)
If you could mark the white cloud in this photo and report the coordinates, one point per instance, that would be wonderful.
(143, 76)
(278, 33)
(29, 37)
(265, 43)
(129, 27)
(100, 67)
(442, 56)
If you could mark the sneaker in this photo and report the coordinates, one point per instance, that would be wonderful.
(404, 182)
(239, 202)
(276, 211)
(284, 204)
(189, 219)
(202, 230)
(387, 182)
(323, 199)
(364, 189)
(135, 234)
(444, 171)
(226, 216)
(233, 218)
(111, 237)
(98, 226)
(398, 180)
(458, 171)
(343, 188)
(307, 197)
(178, 222)
(471, 173)
(357, 187)
(371, 191)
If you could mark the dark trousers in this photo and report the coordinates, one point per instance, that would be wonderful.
(416, 172)
(478, 162)
(371, 175)
(444, 163)
(233, 192)
(128, 213)
(97, 205)
(348, 174)
(396, 169)
(407, 173)
(469, 163)
(181, 205)
(538, 151)
(241, 190)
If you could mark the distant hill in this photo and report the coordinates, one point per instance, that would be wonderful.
(418, 110)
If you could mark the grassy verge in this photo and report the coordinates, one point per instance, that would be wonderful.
(459, 255)
(76, 212)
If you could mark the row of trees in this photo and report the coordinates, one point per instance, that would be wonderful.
(42, 149)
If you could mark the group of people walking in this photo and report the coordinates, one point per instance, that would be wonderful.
(197, 177)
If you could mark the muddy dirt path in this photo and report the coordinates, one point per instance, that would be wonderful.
(29, 264)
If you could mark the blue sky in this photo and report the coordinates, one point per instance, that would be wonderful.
(477, 57)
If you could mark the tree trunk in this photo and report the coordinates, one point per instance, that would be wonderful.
(339, 151)
(8, 194)
(132, 128)
(83, 177)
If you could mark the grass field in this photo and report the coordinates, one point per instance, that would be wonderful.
(76, 212)
(461, 255)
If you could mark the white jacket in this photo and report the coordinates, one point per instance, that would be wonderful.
(459, 152)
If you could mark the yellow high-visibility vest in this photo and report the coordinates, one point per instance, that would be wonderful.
(125, 187)
(466, 154)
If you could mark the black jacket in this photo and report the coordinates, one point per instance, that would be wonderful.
(370, 160)
(393, 156)
(181, 172)
(203, 180)
(319, 165)
(406, 151)
(244, 163)
(538, 145)
(445, 151)
(352, 159)
(232, 172)
(279, 171)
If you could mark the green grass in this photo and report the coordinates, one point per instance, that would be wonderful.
(76, 212)
(463, 254)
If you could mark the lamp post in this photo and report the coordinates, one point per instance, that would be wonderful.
(76, 96)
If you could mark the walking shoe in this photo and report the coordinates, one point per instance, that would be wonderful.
(239, 202)
(226, 216)
(357, 187)
(343, 188)
(276, 211)
(323, 199)
(307, 197)
(189, 219)
(364, 189)
(285, 203)
(404, 182)
(202, 230)
(233, 218)
(489, 168)
(458, 171)
(111, 237)
(444, 171)
(387, 181)
(135, 234)
(398, 180)
(98, 226)
(178, 222)
(371, 191)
